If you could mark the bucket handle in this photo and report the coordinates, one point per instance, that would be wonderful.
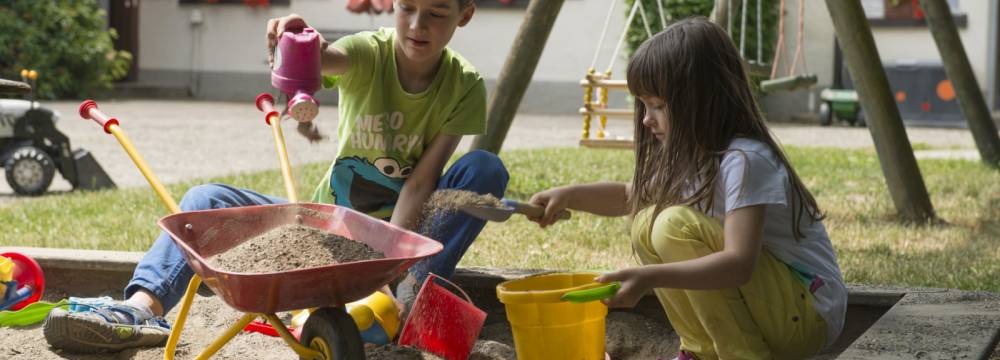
(431, 276)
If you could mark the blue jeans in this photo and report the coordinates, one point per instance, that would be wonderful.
(164, 272)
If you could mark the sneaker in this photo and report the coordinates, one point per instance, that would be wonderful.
(108, 326)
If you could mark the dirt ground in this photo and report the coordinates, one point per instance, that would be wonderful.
(627, 338)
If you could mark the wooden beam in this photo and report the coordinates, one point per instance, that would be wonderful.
(899, 166)
(517, 71)
(607, 143)
(610, 84)
(614, 113)
(956, 65)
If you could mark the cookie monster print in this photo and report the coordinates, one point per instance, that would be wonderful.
(371, 188)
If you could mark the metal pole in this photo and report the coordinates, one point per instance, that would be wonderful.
(517, 71)
(956, 65)
(906, 185)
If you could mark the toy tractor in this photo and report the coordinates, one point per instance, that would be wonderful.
(32, 149)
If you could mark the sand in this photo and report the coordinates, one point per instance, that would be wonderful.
(292, 247)
(629, 336)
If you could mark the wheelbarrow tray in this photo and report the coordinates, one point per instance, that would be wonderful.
(204, 234)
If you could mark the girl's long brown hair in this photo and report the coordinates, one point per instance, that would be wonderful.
(695, 68)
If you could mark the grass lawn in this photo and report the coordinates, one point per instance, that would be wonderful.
(873, 248)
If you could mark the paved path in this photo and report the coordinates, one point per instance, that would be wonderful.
(191, 139)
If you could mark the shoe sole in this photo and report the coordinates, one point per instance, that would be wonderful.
(89, 336)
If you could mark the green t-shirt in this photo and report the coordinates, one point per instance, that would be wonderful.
(383, 129)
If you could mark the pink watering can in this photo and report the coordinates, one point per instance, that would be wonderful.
(296, 71)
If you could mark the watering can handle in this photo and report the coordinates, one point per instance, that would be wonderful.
(432, 276)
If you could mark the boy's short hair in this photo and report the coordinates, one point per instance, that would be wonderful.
(464, 3)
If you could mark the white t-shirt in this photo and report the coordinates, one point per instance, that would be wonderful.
(750, 174)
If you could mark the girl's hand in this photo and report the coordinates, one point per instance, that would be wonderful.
(554, 201)
(634, 286)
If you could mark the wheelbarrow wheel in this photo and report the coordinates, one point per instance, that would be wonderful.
(825, 114)
(332, 332)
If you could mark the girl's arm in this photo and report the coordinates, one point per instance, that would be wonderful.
(604, 198)
(333, 61)
(732, 267)
(419, 186)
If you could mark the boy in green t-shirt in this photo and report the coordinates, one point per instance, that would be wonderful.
(405, 102)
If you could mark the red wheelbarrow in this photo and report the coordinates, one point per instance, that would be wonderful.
(329, 333)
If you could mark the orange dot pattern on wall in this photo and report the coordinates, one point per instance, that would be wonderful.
(901, 96)
(945, 91)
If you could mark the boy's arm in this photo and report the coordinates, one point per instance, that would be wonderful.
(333, 61)
(419, 186)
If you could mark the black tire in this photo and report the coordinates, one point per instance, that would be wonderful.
(29, 170)
(825, 114)
(860, 121)
(335, 328)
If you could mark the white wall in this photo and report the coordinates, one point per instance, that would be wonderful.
(918, 44)
(231, 36)
(896, 43)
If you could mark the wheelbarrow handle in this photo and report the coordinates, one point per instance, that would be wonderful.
(89, 111)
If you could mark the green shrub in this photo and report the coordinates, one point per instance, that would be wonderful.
(66, 41)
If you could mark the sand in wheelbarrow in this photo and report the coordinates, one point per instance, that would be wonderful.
(292, 247)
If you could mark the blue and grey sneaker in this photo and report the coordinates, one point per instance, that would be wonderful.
(98, 325)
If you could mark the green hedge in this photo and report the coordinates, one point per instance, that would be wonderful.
(66, 41)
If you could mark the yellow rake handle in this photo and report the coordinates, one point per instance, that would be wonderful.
(265, 103)
(89, 111)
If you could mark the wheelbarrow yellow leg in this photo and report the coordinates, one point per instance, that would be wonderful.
(304, 352)
(175, 333)
(228, 335)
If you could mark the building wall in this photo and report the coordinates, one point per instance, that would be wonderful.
(902, 44)
(224, 57)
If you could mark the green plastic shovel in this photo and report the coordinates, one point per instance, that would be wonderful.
(29, 315)
(596, 293)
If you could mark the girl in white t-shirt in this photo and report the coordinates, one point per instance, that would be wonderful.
(730, 239)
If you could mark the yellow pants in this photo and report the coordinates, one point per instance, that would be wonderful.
(771, 317)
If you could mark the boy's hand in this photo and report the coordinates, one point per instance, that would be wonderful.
(554, 201)
(634, 285)
(276, 27)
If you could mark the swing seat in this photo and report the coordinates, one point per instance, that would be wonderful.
(788, 83)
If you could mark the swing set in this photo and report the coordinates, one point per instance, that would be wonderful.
(600, 83)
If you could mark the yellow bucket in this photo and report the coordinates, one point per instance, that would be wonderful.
(545, 327)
